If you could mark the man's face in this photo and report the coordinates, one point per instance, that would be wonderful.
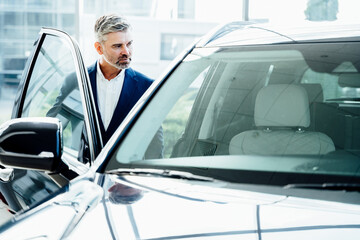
(117, 49)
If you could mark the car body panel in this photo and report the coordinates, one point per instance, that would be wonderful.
(212, 212)
(82, 78)
(69, 209)
(245, 33)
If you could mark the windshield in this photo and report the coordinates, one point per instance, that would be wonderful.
(277, 114)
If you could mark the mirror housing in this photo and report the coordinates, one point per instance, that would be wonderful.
(349, 80)
(31, 143)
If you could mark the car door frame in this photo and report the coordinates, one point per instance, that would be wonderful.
(90, 116)
(89, 110)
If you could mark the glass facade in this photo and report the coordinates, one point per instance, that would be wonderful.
(20, 22)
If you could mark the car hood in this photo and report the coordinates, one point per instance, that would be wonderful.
(177, 209)
(181, 209)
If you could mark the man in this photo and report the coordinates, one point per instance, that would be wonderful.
(115, 85)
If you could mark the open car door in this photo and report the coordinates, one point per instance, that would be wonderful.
(55, 84)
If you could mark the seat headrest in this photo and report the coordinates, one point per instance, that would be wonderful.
(282, 105)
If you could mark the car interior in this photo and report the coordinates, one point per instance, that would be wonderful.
(281, 113)
(297, 100)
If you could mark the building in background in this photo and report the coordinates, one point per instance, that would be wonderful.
(20, 22)
(162, 28)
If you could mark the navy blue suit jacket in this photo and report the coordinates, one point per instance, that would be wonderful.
(135, 84)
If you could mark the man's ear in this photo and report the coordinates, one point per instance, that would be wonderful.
(98, 47)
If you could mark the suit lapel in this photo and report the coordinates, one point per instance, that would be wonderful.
(124, 104)
(125, 100)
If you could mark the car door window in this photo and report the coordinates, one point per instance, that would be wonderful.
(50, 88)
(53, 91)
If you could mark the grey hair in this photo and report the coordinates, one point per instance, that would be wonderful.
(110, 23)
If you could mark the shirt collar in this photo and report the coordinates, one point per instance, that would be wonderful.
(119, 76)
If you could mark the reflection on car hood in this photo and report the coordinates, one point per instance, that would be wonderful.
(178, 209)
(181, 209)
(56, 218)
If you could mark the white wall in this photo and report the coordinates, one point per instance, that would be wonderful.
(147, 40)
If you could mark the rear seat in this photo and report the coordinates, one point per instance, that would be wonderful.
(340, 122)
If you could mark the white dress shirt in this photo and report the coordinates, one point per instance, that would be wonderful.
(108, 94)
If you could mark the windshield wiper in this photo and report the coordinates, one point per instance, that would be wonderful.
(348, 187)
(160, 173)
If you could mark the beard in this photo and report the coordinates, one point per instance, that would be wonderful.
(118, 64)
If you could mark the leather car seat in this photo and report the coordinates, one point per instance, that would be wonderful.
(281, 116)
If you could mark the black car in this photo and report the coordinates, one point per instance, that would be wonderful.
(260, 130)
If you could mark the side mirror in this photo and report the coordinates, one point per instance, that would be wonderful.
(31, 143)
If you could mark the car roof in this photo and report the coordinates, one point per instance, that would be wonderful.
(247, 33)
